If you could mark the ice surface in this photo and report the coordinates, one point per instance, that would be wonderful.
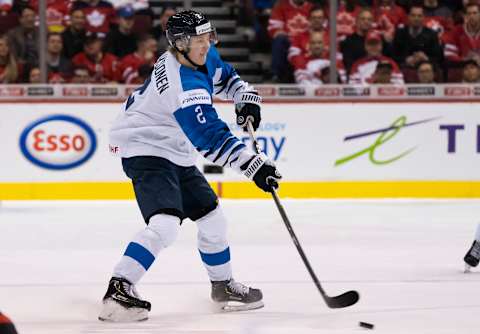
(404, 257)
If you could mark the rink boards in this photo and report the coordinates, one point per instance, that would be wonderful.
(323, 150)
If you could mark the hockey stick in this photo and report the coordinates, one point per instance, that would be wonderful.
(344, 300)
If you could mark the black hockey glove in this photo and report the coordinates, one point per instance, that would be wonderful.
(247, 108)
(262, 171)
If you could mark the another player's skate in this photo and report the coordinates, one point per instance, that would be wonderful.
(473, 256)
(122, 303)
(234, 296)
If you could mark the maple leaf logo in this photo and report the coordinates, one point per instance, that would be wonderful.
(96, 18)
(297, 24)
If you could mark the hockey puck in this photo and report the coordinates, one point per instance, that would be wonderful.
(366, 325)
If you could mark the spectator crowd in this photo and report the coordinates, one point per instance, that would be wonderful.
(90, 41)
(378, 41)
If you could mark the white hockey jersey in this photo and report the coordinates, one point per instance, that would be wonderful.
(171, 115)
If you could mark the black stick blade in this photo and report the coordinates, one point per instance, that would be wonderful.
(344, 300)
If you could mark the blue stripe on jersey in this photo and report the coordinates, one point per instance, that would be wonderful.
(226, 146)
(216, 259)
(193, 79)
(215, 148)
(235, 149)
(234, 81)
(227, 70)
(196, 79)
(237, 79)
(140, 254)
(202, 126)
(221, 84)
(200, 123)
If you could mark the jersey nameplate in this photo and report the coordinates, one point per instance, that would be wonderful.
(160, 72)
(195, 96)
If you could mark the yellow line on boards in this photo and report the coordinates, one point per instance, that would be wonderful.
(237, 190)
(66, 191)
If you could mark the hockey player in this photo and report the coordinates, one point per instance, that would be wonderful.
(157, 132)
(473, 255)
(6, 325)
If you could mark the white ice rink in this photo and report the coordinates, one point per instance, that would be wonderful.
(404, 257)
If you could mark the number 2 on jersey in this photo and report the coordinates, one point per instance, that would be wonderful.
(201, 119)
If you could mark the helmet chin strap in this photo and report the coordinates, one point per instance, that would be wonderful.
(185, 54)
(191, 61)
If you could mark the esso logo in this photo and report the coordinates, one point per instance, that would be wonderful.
(58, 142)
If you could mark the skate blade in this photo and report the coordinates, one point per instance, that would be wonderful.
(238, 307)
(114, 312)
(467, 269)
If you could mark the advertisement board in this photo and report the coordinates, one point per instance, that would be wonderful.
(311, 143)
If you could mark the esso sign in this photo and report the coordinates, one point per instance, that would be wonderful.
(58, 142)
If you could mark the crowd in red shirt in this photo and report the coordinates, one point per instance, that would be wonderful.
(379, 41)
(88, 41)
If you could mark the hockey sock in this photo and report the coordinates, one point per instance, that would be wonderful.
(213, 245)
(477, 234)
(160, 233)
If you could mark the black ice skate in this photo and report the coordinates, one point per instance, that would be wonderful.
(473, 256)
(233, 296)
(122, 303)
